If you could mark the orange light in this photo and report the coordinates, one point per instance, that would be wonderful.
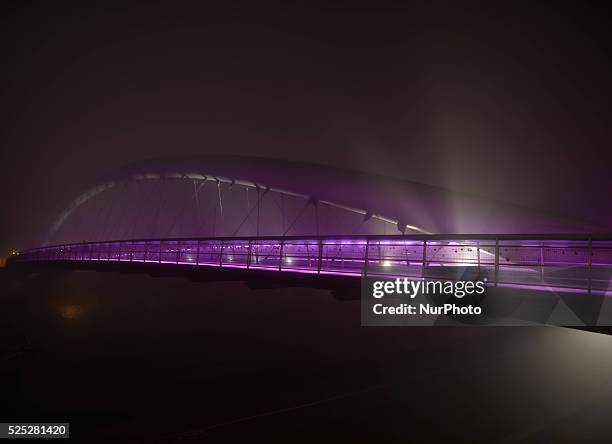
(71, 312)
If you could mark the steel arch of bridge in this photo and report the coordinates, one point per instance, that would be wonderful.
(199, 178)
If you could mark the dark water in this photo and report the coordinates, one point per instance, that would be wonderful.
(131, 358)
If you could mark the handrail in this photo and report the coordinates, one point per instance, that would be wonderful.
(577, 262)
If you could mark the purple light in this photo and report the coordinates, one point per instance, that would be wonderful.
(547, 265)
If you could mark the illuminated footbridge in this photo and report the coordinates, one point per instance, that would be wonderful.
(575, 264)
(255, 214)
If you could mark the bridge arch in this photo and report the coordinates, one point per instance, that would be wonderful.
(210, 196)
(220, 196)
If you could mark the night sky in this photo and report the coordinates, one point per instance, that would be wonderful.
(513, 105)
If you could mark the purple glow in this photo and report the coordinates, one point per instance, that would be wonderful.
(547, 265)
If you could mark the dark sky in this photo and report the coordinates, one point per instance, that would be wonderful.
(510, 104)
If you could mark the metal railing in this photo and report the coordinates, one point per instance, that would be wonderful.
(573, 263)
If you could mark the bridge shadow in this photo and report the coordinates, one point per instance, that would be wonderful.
(341, 287)
(529, 306)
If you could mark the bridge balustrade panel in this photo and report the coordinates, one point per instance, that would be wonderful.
(544, 263)
(301, 255)
(343, 256)
(235, 253)
(395, 258)
(265, 254)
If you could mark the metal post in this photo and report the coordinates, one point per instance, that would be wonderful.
(280, 259)
(496, 260)
(221, 254)
(249, 253)
(367, 254)
(424, 262)
(178, 252)
(542, 264)
(478, 253)
(320, 256)
(590, 265)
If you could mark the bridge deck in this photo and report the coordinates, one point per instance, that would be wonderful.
(572, 263)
